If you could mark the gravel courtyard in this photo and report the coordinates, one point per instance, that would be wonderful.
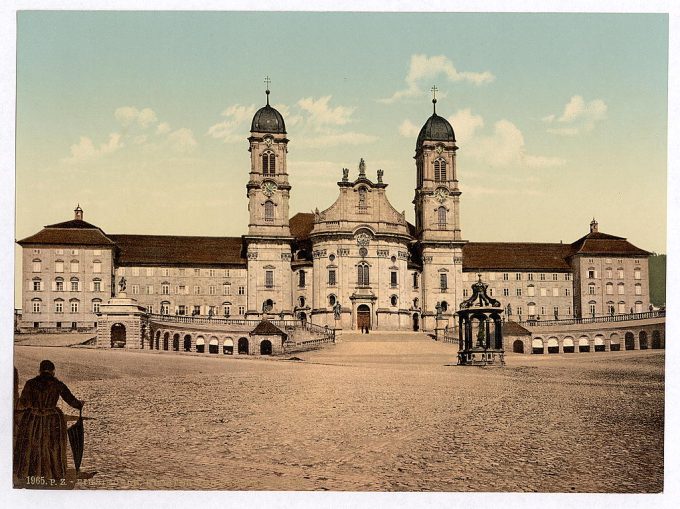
(382, 413)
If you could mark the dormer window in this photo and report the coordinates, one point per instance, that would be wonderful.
(268, 164)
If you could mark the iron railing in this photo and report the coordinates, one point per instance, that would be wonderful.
(532, 322)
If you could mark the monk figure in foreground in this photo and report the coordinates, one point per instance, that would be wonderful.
(40, 445)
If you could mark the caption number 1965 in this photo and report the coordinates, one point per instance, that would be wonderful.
(35, 480)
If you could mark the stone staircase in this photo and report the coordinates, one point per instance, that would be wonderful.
(385, 336)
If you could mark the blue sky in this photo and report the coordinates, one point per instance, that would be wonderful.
(142, 117)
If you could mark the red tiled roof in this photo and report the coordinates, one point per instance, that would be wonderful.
(596, 243)
(511, 328)
(69, 236)
(176, 250)
(73, 223)
(266, 328)
(515, 255)
(301, 225)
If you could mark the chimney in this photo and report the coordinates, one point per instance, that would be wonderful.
(593, 226)
(78, 213)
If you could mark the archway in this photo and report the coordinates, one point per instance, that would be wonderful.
(599, 343)
(583, 344)
(553, 345)
(214, 346)
(518, 346)
(187, 343)
(118, 335)
(266, 347)
(151, 336)
(175, 343)
(656, 339)
(200, 344)
(228, 346)
(615, 342)
(416, 322)
(166, 340)
(568, 344)
(537, 345)
(630, 341)
(363, 317)
(643, 340)
(243, 346)
(302, 316)
(158, 340)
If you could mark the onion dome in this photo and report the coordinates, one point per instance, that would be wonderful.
(268, 120)
(435, 129)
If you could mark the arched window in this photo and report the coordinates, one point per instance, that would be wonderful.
(591, 289)
(301, 302)
(75, 284)
(445, 306)
(37, 265)
(415, 280)
(416, 302)
(36, 305)
(75, 305)
(165, 308)
(332, 300)
(268, 164)
(394, 300)
(441, 217)
(363, 277)
(95, 305)
(440, 170)
(269, 211)
(609, 289)
(37, 284)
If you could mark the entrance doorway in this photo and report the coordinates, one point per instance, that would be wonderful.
(363, 317)
(416, 322)
(266, 347)
(243, 346)
(118, 336)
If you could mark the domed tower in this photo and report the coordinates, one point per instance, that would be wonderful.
(268, 240)
(437, 214)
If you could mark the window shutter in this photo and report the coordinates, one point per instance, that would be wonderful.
(54, 286)
(92, 286)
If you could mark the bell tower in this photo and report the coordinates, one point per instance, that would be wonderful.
(436, 202)
(268, 241)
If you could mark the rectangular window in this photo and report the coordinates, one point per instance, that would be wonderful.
(269, 278)
(241, 310)
(622, 289)
(443, 281)
(59, 286)
(96, 286)
(506, 292)
(226, 289)
(226, 272)
(331, 277)
(197, 272)
(301, 278)
(544, 292)
(530, 276)
(135, 289)
(490, 292)
(181, 309)
(197, 290)
(506, 277)
(59, 307)
(531, 291)
(36, 306)
(556, 292)
(212, 290)
(393, 278)
(609, 273)
(591, 308)
(567, 276)
(554, 277)
(519, 310)
(135, 271)
(542, 277)
(60, 251)
(543, 310)
(556, 312)
(591, 289)
(567, 292)
(592, 274)
(465, 292)
(415, 279)
(149, 289)
(58, 266)
(149, 271)
(182, 290)
(241, 291)
(75, 266)
(638, 274)
(638, 289)
(165, 308)
(519, 292)
(74, 307)
(121, 271)
(568, 310)
(95, 307)
(165, 272)
(620, 274)
(37, 286)
(36, 266)
(75, 287)
(165, 289)
(97, 267)
(518, 276)
(226, 310)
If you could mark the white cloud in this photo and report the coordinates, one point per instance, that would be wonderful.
(128, 115)
(408, 129)
(425, 69)
(465, 124)
(320, 114)
(163, 128)
(231, 128)
(85, 150)
(578, 116)
(182, 140)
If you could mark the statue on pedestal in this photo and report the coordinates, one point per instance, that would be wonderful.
(122, 284)
(438, 309)
(337, 310)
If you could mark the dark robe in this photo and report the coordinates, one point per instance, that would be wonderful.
(40, 446)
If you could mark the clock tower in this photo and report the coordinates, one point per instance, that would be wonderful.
(268, 241)
(436, 202)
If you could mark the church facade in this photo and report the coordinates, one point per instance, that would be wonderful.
(357, 263)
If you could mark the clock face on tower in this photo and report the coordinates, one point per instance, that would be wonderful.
(269, 187)
(439, 149)
(268, 142)
(441, 194)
